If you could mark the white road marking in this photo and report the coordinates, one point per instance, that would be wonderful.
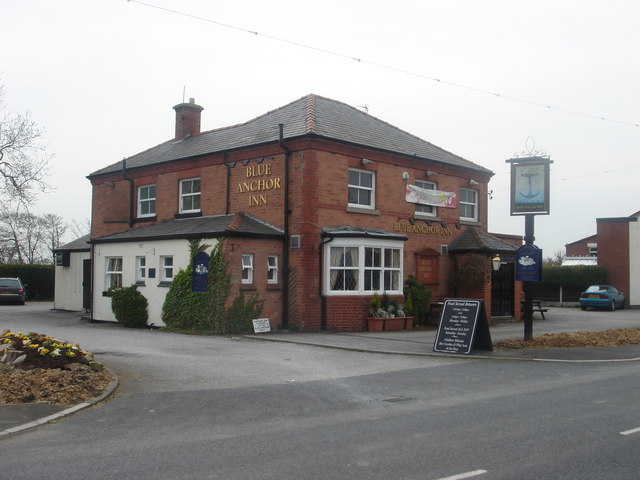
(629, 432)
(460, 476)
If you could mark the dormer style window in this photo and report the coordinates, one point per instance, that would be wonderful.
(468, 204)
(190, 195)
(361, 188)
(146, 201)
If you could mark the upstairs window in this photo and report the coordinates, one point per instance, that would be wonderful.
(190, 195)
(468, 204)
(247, 268)
(272, 269)
(147, 201)
(425, 210)
(361, 188)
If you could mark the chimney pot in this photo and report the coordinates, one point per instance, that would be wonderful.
(187, 119)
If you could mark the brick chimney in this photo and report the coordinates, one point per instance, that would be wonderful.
(187, 119)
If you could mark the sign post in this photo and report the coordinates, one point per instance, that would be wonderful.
(529, 197)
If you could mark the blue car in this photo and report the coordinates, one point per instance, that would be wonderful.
(602, 296)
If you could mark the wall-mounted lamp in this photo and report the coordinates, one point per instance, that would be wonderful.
(109, 184)
(231, 164)
(496, 261)
(246, 162)
(443, 224)
(428, 222)
(473, 182)
(458, 227)
(412, 220)
(430, 173)
(366, 161)
(260, 160)
(405, 176)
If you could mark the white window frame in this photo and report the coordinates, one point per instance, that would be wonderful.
(166, 268)
(357, 187)
(113, 272)
(272, 269)
(364, 266)
(247, 268)
(466, 202)
(190, 194)
(425, 210)
(141, 269)
(149, 201)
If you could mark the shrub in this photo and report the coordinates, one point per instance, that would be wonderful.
(129, 306)
(241, 313)
(419, 296)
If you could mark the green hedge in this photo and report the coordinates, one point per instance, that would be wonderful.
(580, 276)
(39, 278)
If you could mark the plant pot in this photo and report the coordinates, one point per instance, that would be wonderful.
(375, 324)
(393, 324)
(408, 323)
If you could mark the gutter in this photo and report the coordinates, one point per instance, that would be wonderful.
(287, 213)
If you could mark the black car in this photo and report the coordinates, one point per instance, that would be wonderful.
(12, 290)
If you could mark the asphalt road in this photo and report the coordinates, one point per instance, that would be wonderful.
(192, 407)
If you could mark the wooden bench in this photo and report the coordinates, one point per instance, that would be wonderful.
(537, 307)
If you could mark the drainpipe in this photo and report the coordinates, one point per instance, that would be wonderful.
(323, 297)
(131, 191)
(287, 213)
(229, 167)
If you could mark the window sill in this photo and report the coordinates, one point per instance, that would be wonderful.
(366, 211)
(152, 218)
(475, 223)
(188, 215)
(140, 283)
(422, 216)
(247, 286)
(274, 286)
(165, 284)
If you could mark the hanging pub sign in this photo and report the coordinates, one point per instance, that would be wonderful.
(529, 263)
(200, 273)
(529, 185)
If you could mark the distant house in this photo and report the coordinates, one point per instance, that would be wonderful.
(616, 246)
(319, 205)
(585, 247)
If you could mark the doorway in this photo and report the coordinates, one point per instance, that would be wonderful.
(502, 291)
(86, 285)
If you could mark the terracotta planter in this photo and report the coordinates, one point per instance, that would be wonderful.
(408, 323)
(392, 324)
(375, 324)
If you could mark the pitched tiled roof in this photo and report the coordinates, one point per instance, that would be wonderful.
(239, 224)
(472, 240)
(311, 115)
(77, 245)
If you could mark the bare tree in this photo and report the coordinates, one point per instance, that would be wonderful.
(29, 238)
(80, 228)
(54, 229)
(556, 259)
(23, 160)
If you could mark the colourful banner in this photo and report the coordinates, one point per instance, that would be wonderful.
(435, 198)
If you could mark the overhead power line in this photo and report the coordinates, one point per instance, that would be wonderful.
(389, 67)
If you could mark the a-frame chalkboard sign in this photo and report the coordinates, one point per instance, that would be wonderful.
(463, 327)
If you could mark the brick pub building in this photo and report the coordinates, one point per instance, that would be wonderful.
(319, 204)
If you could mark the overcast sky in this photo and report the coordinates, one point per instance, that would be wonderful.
(102, 76)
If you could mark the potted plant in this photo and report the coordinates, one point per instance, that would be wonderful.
(375, 323)
(408, 310)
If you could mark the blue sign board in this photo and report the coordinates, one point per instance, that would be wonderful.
(200, 274)
(529, 264)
